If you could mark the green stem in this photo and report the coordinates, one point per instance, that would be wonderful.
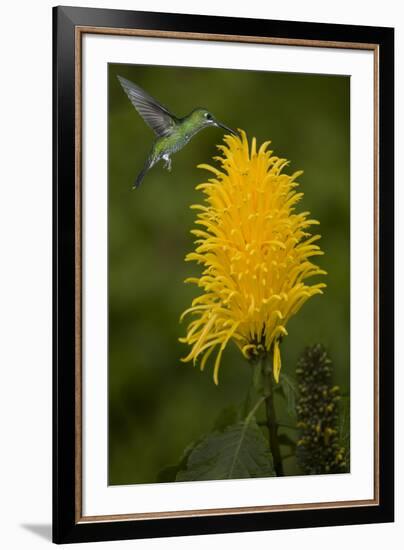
(272, 423)
(254, 410)
(249, 396)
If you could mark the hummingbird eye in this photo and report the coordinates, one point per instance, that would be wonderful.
(208, 116)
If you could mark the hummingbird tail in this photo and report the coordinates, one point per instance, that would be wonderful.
(142, 174)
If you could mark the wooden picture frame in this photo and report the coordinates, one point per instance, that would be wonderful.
(70, 26)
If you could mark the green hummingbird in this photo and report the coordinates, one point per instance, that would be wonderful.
(172, 133)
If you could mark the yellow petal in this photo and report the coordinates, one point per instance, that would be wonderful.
(254, 251)
(277, 361)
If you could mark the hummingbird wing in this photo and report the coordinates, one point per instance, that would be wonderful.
(160, 120)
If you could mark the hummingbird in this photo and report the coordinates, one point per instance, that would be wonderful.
(172, 133)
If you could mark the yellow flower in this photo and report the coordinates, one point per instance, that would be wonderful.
(255, 251)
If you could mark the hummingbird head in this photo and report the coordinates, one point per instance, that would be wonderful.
(204, 118)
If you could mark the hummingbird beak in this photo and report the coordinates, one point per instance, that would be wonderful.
(220, 125)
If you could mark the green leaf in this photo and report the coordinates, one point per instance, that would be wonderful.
(169, 473)
(289, 390)
(284, 439)
(226, 417)
(239, 452)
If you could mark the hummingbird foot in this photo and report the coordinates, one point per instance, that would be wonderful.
(167, 162)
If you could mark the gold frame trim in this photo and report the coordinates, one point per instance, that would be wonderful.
(79, 32)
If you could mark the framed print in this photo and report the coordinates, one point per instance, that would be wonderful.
(223, 275)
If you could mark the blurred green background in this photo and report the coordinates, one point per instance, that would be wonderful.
(158, 405)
